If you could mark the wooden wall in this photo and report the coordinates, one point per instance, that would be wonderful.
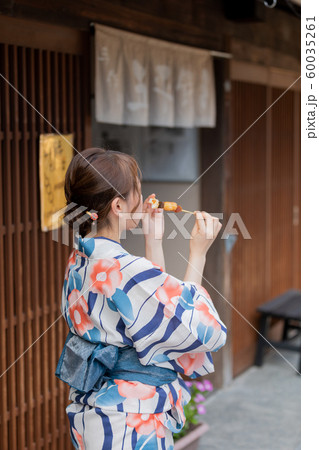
(264, 188)
(258, 177)
(200, 23)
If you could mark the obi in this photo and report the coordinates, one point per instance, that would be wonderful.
(85, 366)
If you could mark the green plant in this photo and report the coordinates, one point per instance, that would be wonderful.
(195, 407)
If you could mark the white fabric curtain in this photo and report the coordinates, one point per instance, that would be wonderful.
(146, 81)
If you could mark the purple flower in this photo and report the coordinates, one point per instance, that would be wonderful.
(189, 384)
(200, 386)
(199, 398)
(201, 409)
(208, 385)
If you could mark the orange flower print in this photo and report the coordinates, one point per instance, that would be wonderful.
(168, 294)
(179, 405)
(71, 262)
(106, 276)
(159, 427)
(79, 439)
(78, 312)
(171, 400)
(135, 389)
(146, 423)
(205, 316)
(191, 361)
(157, 266)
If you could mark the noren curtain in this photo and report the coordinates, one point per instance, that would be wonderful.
(146, 81)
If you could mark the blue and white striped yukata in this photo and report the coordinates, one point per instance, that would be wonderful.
(112, 297)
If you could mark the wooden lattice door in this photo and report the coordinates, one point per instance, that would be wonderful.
(46, 68)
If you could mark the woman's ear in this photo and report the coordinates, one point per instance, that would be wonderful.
(116, 206)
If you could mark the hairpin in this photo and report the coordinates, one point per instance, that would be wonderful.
(93, 216)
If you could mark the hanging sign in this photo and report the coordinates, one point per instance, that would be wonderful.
(56, 152)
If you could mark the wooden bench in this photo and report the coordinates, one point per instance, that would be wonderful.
(286, 306)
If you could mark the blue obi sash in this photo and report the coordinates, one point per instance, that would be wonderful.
(85, 366)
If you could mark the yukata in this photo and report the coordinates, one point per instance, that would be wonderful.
(112, 297)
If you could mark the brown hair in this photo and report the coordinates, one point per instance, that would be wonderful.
(94, 178)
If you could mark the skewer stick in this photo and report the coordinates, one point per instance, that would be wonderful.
(190, 212)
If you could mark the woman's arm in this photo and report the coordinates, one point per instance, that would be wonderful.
(153, 227)
(195, 268)
(167, 319)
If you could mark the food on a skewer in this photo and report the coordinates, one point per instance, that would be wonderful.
(167, 206)
(170, 206)
(154, 202)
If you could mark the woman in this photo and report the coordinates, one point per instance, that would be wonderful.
(133, 328)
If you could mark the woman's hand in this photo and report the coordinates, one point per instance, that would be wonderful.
(153, 221)
(204, 233)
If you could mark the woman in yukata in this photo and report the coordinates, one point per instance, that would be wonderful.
(134, 329)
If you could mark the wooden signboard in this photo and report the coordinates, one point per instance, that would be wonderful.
(56, 152)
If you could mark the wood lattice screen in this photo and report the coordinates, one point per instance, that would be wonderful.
(32, 265)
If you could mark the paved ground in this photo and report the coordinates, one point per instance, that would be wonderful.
(260, 410)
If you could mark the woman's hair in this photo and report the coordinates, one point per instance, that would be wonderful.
(94, 178)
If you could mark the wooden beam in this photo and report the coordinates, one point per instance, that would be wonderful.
(29, 33)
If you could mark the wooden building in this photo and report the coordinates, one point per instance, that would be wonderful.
(46, 54)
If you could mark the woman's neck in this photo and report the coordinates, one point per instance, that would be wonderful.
(109, 234)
